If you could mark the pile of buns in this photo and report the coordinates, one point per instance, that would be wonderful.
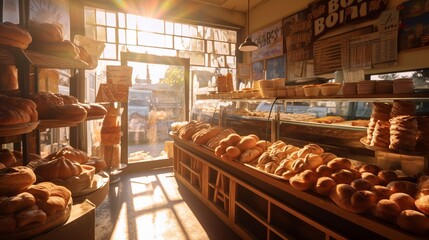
(395, 126)
(25, 205)
(51, 106)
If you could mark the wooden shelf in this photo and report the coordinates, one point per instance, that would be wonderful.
(309, 208)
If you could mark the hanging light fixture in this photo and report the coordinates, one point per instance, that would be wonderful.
(248, 45)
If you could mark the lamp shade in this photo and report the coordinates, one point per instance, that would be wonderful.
(248, 45)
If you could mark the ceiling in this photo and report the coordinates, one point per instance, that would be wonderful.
(236, 5)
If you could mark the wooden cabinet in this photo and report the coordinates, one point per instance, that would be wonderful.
(258, 206)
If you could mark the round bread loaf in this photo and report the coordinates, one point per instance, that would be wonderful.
(324, 185)
(404, 201)
(413, 221)
(387, 210)
(15, 180)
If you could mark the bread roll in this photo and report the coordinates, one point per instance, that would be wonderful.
(233, 151)
(7, 157)
(41, 191)
(407, 187)
(387, 210)
(219, 150)
(423, 204)
(324, 185)
(14, 36)
(339, 163)
(313, 160)
(324, 171)
(250, 155)
(231, 140)
(288, 174)
(226, 157)
(349, 198)
(413, 221)
(254, 136)
(404, 201)
(374, 169)
(310, 148)
(263, 144)
(299, 165)
(387, 176)
(381, 192)
(304, 180)
(246, 143)
(326, 157)
(271, 167)
(343, 176)
(361, 184)
(370, 177)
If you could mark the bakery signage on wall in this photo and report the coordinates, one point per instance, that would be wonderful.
(270, 42)
(330, 14)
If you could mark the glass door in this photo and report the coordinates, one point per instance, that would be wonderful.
(158, 97)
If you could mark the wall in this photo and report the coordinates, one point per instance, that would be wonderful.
(272, 11)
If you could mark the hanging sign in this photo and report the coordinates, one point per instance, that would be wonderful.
(112, 93)
(119, 75)
(330, 14)
(270, 42)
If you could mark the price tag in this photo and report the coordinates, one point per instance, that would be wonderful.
(119, 75)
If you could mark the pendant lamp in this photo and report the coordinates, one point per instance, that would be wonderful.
(248, 45)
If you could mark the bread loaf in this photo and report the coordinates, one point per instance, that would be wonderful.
(246, 142)
(404, 201)
(407, 187)
(324, 171)
(349, 198)
(387, 176)
(370, 177)
(70, 153)
(15, 180)
(251, 154)
(304, 180)
(339, 163)
(65, 49)
(381, 192)
(46, 32)
(387, 210)
(220, 150)
(343, 176)
(413, 221)
(231, 140)
(14, 36)
(423, 204)
(59, 168)
(313, 160)
(233, 151)
(324, 185)
(361, 184)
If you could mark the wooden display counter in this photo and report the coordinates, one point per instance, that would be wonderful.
(258, 206)
(81, 224)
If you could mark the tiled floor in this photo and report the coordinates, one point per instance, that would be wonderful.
(151, 205)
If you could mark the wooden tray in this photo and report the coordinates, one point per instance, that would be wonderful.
(32, 230)
(13, 130)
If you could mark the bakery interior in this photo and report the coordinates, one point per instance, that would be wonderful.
(214, 119)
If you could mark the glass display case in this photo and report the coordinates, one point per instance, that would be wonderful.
(338, 124)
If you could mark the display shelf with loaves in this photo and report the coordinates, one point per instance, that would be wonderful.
(344, 181)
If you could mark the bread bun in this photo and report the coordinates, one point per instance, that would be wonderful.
(231, 140)
(310, 148)
(71, 112)
(250, 155)
(343, 176)
(226, 157)
(407, 187)
(299, 165)
(15, 180)
(413, 221)
(263, 144)
(41, 191)
(370, 177)
(204, 135)
(327, 156)
(423, 204)
(374, 169)
(304, 180)
(14, 36)
(361, 184)
(233, 151)
(404, 201)
(313, 160)
(387, 210)
(324, 185)
(70, 153)
(339, 163)
(219, 150)
(246, 143)
(324, 171)
(381, 192)
(349, 198)
(271, 167)
(96, 110)
(387, 176)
